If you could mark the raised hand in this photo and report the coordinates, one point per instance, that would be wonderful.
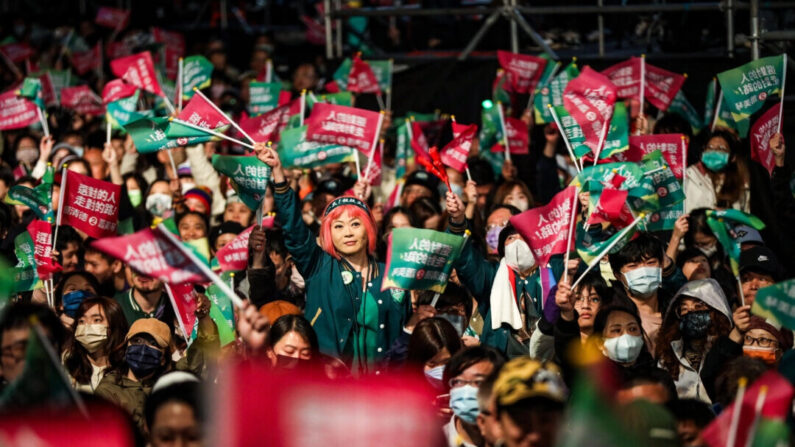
(455, 208)
(565, 301)
(270, 157)
(252, 327)
(362, 190)
(779, 148)
(256, 246)
(45, 148)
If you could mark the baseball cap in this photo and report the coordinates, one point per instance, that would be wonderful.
(278, 308)
(525, 378)
(760, 259)
(422, 178)
(743, 234)
(152, 326)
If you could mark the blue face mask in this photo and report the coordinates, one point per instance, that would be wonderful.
(644, 281)
(715, 160)
(71, 301)
(464, 403)
(143, 360)
(694, 325)
(434, 376)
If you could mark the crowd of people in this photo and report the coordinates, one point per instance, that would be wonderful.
(500, 350)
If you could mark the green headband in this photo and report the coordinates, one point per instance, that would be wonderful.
(345, 200)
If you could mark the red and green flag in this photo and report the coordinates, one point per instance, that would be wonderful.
(609, 205)
(419, 259)
(746, 88)
(41, 235)
(361, 78)
(763, 129)
(296, 152)
(551, 92)
(201, 113)
(518, 137)
(589, 99)
(660, 86)
(546, 228)
(150, 135)
(31, 90)
(673, 147)
(617, 140)
(249, 176)
(267, 126)
(523, 71)
(116, 90)
(777, 303)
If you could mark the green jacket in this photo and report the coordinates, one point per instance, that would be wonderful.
(477, 274)
(128, 394)
(331, 305)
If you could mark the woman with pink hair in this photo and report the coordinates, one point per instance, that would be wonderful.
(354, 320)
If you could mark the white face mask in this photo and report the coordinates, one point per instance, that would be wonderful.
(519, 257)
(521, 204)
(91, 336)
(158, 203)
(624, 349)
(27, 155)
(709, 251)
(644, 281)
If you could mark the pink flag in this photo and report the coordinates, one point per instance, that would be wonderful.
(626, 77)
(115, 50)
(201, 113)
(545, 229)
(112, 18)
(183, 299)
(346, 126)
(138, 70)
(17, 51)
(518, 137)
(418, 141)
(234, 255)
(117, 89)
(777, 405)
(82, 100)
(670, 144)
(456, 152)
(589, 99)
(90, 205)
(761, 132)
(523, 71)
(16, 112)
(332, 87)
(153, 254)
(174, 49)
(86, 61)
(284, 98)
(41, 235)
(373, 172)
(612, 208)
(266, 127)
(661, 85)
(361, 78)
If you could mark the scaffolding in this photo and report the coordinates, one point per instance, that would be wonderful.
(335, 13)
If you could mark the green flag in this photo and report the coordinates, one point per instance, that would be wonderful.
(222, 311)
(665, 218)
(263, 97)
(659, 187)
(589, 246)
(777, 303)
(721, 223)
(340, 99)
(617, 139)
(709, 102)
(403, 152)
(419, 259)
(383, 73)
(197, 72)
(149, 135)
(249, 176)
(296, 152)
(341, 74)
(491, 131)
(771, 433)
(682, 107)
(498, 91)
(552, 93)
(31, 89)
(123, 111)
(745, 88)
(631, 173)
(22, 195)
(25, 277)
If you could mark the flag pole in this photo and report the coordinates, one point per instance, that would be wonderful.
(380, 101)
(738, 408)
(173, 301)
(389, 88)
(373, 146)
(608, 248)
(179, 84)
(108, 128)
(60, 205)
(173, 165)
(602, 140)
(642, 86)
(783, 84)
(269, 71)
(760, 404)
(202, 266)
(684, 170)
(717, 111)
(565, 138)
(740, 289)
(571, 231)
(44, 126)
(211, 132)
(504, 131)
(234, 124)
(303, 107)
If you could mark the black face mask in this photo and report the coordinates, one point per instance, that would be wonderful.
(694, 325)
(285, 362)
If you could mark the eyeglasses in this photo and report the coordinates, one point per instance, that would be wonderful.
(455, 383)
(684, 309)
(761, 342)
(15, 350)
(581, 300)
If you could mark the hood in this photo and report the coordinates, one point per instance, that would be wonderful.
(706, 290)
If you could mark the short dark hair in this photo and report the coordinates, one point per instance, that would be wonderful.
(467, 357)
(673, 123)
(452, 296)
(694, 410)
(653, 375)
(430, 336)
(422, 209)
(188, 393)
(643, 247)
(594, 280)
(293, 323)
(89, 248)
(600, 321)
(506, 232)
(66, 235)
(18, 315)
(480, 170)
(6, 175)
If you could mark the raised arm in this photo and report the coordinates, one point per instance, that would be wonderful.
(300, 242)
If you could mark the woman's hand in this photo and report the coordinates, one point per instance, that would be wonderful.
(681, 226)
(252, 327)
(471, 192)
(455, 208)
(563, 298)
(778, 148)
(362, 190)
(270, 157)
(742, 321)
(256, 246)
(45, 148)
(423, 311)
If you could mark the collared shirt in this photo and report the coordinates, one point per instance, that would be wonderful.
(132, 310)
(453, 438)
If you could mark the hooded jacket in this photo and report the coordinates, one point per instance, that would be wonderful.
(689, 383)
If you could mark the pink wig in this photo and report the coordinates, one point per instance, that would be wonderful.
(327, 242)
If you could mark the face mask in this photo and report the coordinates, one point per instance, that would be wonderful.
(715, 160)
(767, 355)
(644, 281)
(434, 376)
(464, 403)
(71, 301)
(493, 237)
(143, 360)
(709, 251)
(456, 320)
(519, 257)
(522, 204)
(158, 204)
(285, 362)
(457, 189)
(135, 197)
(91, 336)
(694, 325)
(27, 155)
(624, 349)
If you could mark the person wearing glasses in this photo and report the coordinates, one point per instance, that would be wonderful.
(697, 317)
(465, 373)
(720, 179)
